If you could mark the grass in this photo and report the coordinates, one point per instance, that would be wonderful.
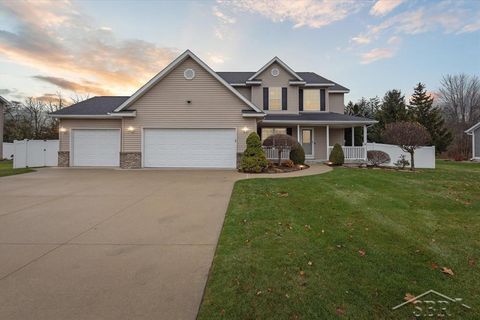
(6, 169)
(293, 248)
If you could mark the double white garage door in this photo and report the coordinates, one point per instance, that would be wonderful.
(186, 148)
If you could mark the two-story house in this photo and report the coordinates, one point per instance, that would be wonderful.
(191, 116)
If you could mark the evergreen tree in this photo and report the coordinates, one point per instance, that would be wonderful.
(393, 109)
(423, 111)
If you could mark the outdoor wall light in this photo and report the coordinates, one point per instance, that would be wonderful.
(245, 129)
(130, 129)
(62, 129)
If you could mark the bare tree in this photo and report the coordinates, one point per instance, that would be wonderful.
(76, 98)
(280, 142)
(409, 136)
(460, 98)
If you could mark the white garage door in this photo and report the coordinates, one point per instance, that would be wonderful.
(96, 147)
(193, 148)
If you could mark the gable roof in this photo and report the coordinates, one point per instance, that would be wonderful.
(96, 106)
(4, 101)
(187, 54)
(473, 128)
(280, 62)
(310, 78)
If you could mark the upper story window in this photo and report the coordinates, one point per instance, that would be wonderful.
(275, 98)
(311, 99)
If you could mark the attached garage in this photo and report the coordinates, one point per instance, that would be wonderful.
(95, 147)
(190, 148)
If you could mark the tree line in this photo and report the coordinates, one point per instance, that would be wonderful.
(445, 115)
(30, 120)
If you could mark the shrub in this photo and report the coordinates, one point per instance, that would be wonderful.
(280, 142)
(253, 159)
(297, 154)
(289, 164)
(336, 156)
(377, 157)
(402, 162)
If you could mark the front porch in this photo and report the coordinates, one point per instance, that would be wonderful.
(318, 141)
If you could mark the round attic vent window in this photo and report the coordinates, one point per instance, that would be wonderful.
(189, 74)
(275, 72)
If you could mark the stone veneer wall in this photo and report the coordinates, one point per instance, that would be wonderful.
(130, 160)
(63, 158)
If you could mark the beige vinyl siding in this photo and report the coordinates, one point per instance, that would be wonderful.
(336, 102)
(279, 81)
(337, 135)
(246, 92)
(165, 106)
(70, 124)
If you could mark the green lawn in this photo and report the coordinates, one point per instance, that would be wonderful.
(6, 169)
(293, 248)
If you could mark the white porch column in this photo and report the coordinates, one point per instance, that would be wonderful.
(353, 136)
(298, 134)
(365, 142)
(328, 140)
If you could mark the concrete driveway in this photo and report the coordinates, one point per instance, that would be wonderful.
(108, 244)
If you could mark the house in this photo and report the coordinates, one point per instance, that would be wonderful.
(475, 133)
(191, 116)
(3, 104)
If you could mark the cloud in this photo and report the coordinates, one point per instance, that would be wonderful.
(382, 7)
(377, 54)
(216, 58)
(56, 37)
(222, 16)
(303, 13)
(5, 91)
(361, 39)
(65, 84)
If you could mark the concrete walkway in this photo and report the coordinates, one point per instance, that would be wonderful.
(110, 244)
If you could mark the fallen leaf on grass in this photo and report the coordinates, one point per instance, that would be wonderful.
(471, 262)
(282, 194)
(361, 252)
(340, 311)
(259, 293)
(447, 271)
(434, 265)
(307, 227)
(302, 273)
(408, 297)
(310, 263)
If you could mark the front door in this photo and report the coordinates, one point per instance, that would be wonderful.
(307, 142)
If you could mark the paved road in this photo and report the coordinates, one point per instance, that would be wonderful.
(108, 244)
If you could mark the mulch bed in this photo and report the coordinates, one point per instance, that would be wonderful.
(283, 169)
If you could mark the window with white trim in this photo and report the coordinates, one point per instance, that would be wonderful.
(275, 98)
(311, 99)
(267, 132)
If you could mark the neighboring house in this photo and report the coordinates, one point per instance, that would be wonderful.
(191, 116)
(3, 104)
(475, 133)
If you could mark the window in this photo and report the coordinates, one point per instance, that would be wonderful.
(311, 100)
(275, 98)
(267, 132)
(189, 74)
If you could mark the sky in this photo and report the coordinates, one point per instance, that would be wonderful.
(113, 47)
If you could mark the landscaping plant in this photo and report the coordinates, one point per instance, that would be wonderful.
(280, 142)
(297, 154)
(402, 162)
(336, 156)
(377, 157)
(253, 159)
(409, 136)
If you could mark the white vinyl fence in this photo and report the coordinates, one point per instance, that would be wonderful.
(424, 156)
(271, 153)
(35, 153)
(8, 151)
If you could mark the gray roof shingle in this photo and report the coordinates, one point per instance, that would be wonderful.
(310, 77)
(93, 106)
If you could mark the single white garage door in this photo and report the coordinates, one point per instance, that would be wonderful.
(190, 148)
(96, 147)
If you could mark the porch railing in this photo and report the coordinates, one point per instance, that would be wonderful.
(271, 153)
(352, 153)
